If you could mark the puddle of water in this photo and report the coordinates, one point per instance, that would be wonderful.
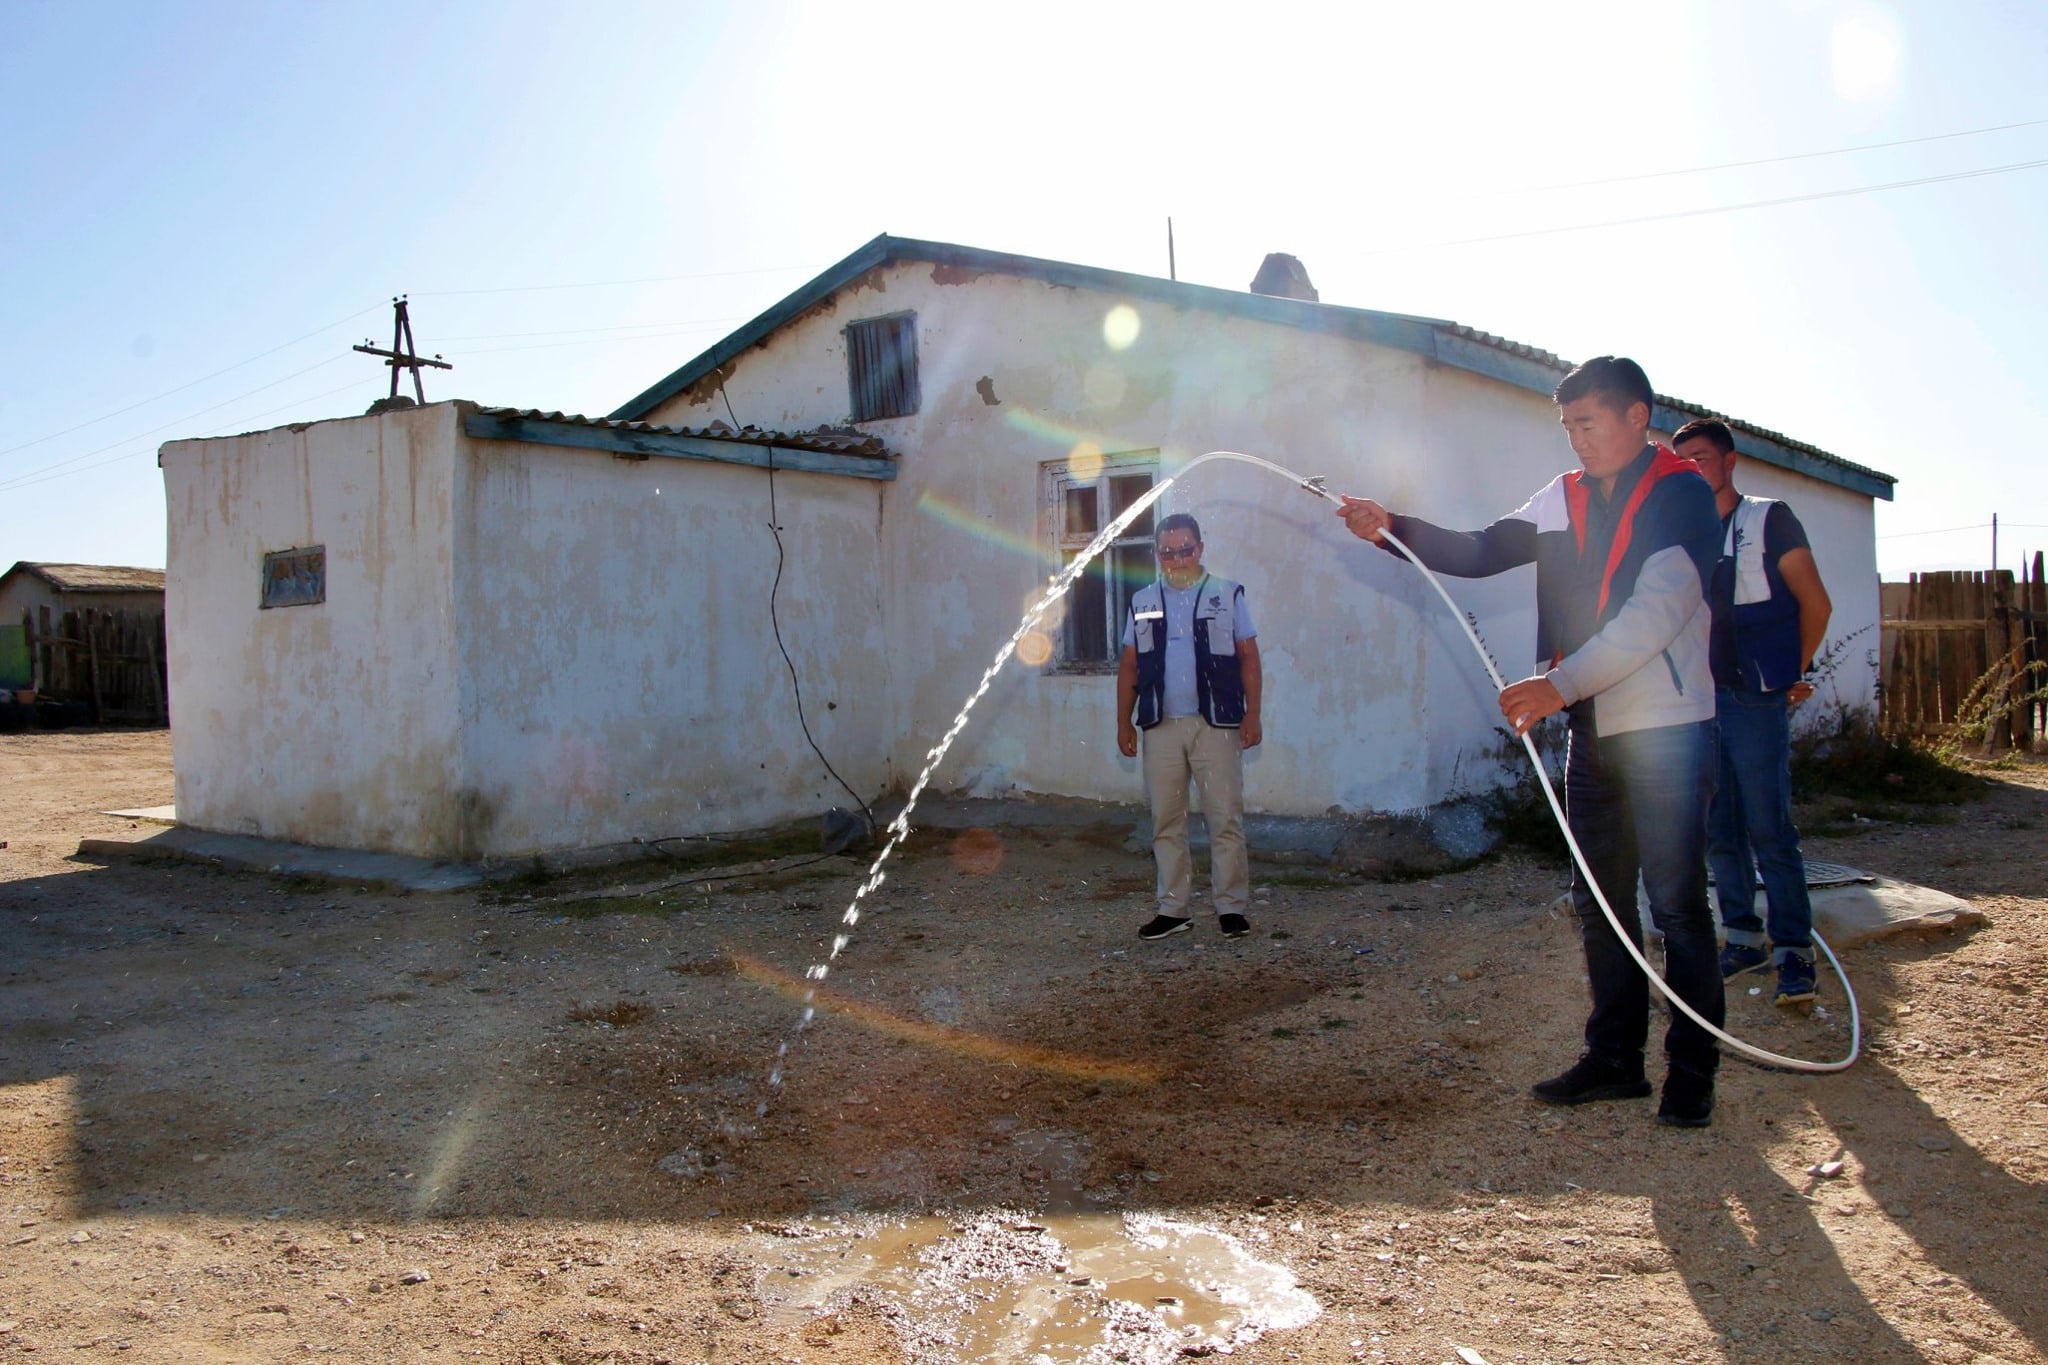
(1064, 1287)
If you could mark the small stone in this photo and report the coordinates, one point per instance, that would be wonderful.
(1932, 1144)
(1822, 1315)
(414, 1277)
(355, 1236)
(1826, 1170)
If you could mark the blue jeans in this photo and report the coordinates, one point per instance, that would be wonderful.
(1753, 811)
(1637, 803)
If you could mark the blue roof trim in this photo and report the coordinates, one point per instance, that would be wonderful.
(1448, 343)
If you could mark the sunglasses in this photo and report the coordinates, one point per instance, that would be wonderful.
(1169, 552)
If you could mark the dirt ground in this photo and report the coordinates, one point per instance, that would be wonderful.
(249, 1120)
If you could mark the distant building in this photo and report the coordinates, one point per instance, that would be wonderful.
(68, 587)
(477, 632)
(46, 617)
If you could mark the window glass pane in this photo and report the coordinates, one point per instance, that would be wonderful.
(1132, 569)
(1126, 489)
(1081, 515)
(1087, 636)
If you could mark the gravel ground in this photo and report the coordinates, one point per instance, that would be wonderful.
(244, 1119)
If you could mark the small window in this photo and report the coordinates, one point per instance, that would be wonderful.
(295, 578)
(881, 367)
(1082, 497)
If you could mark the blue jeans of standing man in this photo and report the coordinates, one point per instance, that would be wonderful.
(1752, 810)
(1637, 804)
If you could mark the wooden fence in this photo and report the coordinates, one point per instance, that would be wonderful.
(112, 661)
(1971, 642)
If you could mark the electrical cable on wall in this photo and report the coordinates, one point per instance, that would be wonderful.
(775, 622)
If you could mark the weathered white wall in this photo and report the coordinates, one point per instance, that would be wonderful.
(527, 648)
(1374, 700)
(334, 723)
(523, 648)
(621, 674)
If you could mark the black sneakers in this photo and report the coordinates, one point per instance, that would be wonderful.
(1737, 958)
(1163, 926)
(1688, 1100)
(1233, 926)
(1592, 1079)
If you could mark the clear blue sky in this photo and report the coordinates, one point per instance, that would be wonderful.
(203, 205)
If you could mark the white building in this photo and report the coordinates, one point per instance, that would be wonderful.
(535, 632)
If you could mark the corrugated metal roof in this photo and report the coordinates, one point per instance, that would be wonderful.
(1695, 410)
(94, 577)
(1514, 348)
(825, 440)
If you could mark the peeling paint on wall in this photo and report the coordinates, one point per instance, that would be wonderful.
(986, 387)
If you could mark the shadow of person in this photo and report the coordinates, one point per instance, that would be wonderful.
(1772, 1239)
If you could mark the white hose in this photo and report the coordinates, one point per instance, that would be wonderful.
(1557, 811)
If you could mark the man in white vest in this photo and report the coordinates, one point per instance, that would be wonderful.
(1770, 614)
(1189, 678)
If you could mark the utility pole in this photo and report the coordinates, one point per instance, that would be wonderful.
(400, 356)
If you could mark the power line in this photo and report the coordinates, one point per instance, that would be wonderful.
(605, 284)
(143, 403)
(586, 341)
(1944, 531)
(1703, 212)
(29, 482)
(16, 480)
(1773, 160)
(584, 331)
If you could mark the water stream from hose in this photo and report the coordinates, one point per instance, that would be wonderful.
(899, 828)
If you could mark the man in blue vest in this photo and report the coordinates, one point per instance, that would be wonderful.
(1623, 550)
(1189, 678)
(1770, 614)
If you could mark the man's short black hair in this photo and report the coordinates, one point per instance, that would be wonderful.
(1619, 382)
(1714, 432)
(1179, 521)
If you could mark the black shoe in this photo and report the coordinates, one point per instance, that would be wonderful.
(1161, 926)
(1737, 958)
(1233, 926)
(1592, 1079)
(1688, 1100)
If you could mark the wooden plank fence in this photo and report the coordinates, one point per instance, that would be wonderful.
(111, 661)
(1967, 642)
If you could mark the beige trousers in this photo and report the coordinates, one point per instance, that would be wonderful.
(1176, 750)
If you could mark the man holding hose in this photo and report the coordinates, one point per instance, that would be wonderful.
(1624, 550)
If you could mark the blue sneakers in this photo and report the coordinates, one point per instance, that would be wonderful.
(1796, 982)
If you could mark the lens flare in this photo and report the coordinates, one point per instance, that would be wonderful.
(1120, 327)
(977, 524)
(998, 1050)
(977, 852)
(1103, 385)
(1084, 461)
(1034, 649)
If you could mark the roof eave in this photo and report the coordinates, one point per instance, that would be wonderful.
(1463, 348)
